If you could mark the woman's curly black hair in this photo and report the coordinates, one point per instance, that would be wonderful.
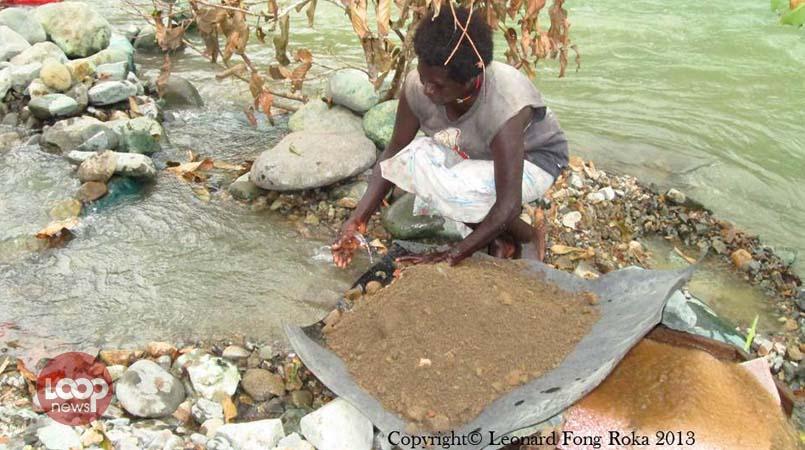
(436, 38)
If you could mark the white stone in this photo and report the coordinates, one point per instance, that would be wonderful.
(147, 390)
(293, 442)
(571, 219)
(57, 436)
(337, 426)
(11, 43)
(39, 53)
(258, 435)
(111, 92)
(22, 21)
(609, 193)
(306, 160)
(204, 410)
(213, 376)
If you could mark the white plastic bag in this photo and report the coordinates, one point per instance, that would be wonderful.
(445, 184)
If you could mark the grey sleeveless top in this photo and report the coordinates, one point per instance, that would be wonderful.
(505, 92)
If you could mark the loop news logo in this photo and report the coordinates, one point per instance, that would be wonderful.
(74, 388)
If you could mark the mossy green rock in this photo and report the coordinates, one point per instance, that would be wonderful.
(352, 89)
(75, 27)
(140, 135)
(378, 123)
(399, 220)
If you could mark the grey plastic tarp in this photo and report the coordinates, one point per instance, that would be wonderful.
(631, 304)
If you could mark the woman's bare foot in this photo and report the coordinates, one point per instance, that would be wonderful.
(503, 247)
(535, 249)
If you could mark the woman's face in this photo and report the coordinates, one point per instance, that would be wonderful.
(439, 88)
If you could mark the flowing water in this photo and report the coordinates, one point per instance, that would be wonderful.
(704, 96)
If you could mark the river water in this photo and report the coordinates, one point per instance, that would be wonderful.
(703, 96)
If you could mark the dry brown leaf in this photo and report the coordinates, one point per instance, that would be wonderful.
(256, 83)
(191, 167)
(264, 101)
(223, 165)
(311, 12)
(133, 107)
(437, 7)
(304, 55)
(230, 410)
(357, 14)
(275, 73)
(249, 112)
(533, 8)
(383, 15)
(27, 374)
(201, 192)
(559, 249)
(237, 35)
(298, 76)
(281, 41)
(168, 38)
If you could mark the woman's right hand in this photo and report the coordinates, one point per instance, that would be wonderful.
(346, 242)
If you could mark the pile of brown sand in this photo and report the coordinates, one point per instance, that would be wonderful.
(441, 343)
(704, 402)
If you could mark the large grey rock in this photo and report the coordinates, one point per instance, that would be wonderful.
(181, 92)
(39, 53)
(113, 71)
(212, 377)
(204, 410)
(338, 426)
(37, 89)
(148, 390)
(317, 116)
(262, 384)
(22, 76)
(146, 39)
(127, 164)
(80, 94)
(53, 105)
(111, 92)
(82, 70)
(378, 123)
(57, 436)
(5, 82)
(11, 43)
(351, 88)
(98, 167)
(244, 189)
(399, 220)
(55, 75)
(66, 135)
(258, 435)
(140, 135)
(75, 27)
(22, 21)
(306, 160)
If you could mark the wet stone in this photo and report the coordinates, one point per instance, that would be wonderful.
(91, 191)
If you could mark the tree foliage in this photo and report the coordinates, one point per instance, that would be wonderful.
(532, 30)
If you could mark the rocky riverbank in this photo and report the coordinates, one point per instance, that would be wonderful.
(217, 396)
(84, 99)
(71, 86)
